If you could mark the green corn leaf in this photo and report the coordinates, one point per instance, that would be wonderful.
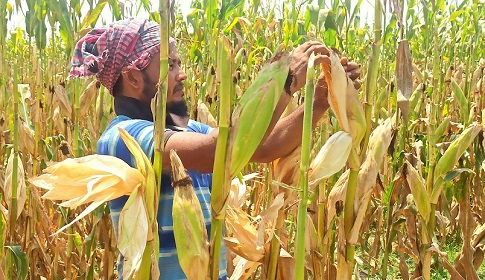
(455, 173)
(21, 261)
(93, 15)
(440, 130)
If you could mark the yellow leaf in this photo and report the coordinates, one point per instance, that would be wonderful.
(88, 179)
(133, 232)
(21, 187)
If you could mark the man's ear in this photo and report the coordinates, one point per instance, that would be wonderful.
(132, 78)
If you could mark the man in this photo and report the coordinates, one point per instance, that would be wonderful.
(124, 56)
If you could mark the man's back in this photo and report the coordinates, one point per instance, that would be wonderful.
(111, 143)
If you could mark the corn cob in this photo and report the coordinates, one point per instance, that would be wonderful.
(257, 103)
(418, 189)
(356, 116)
(188, 224)
(451, 157)
(331, 157)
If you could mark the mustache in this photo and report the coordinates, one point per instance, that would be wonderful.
(179, 86)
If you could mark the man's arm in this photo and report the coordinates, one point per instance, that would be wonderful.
(286, 136)
(197, 151)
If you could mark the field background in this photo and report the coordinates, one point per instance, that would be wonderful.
(430, 89)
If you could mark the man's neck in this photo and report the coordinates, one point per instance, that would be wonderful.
(133, 108)
(136, 109)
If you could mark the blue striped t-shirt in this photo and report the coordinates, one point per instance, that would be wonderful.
(111, 143)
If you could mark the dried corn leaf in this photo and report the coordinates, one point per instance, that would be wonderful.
(243, 268)
(268, 220)
(87, 96)
(133, 232)
(21, 186)
(61, 100)
(404, 80)
(337, 82)
(58, 120)
(91, 207)
(336, 197)
(286, 266)
(365, 182)
(239, 191)
(286, 168)
(245, 235)
(26, 138)
(87, 179)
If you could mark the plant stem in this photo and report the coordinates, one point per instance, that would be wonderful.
(306, 141)
(373, 70)
(15, 175)
(349, 209)
(220, 179)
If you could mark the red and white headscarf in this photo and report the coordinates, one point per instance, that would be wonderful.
(105, 51)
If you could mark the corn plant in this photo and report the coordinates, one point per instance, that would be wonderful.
(408, 204)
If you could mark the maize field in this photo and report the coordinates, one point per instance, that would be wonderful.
(389, 185)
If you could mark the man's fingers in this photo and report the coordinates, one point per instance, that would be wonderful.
(354, 74)
(317, 49)
(344, 61)
(357, 84)
(321, 58)
(351, 66)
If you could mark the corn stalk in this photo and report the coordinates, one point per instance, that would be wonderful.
(221, 176)
(306, 143)
(151, 255)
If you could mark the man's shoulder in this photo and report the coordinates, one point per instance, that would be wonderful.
(195, 126)
(111, 143)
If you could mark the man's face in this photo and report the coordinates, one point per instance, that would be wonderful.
(176, 77)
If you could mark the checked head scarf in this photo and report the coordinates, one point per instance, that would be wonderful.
(105, 51)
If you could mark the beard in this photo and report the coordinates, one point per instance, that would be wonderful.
(178, 108)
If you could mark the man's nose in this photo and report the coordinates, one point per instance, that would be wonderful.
(181, 75)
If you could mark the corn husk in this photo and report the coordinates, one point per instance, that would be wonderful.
(451, 157)
(337, 88)
(93, 179)
(418, 189)
(61, 100)
(188, 224)
(204, 115)
(257, 103)
(88, 179)
(331, 158)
